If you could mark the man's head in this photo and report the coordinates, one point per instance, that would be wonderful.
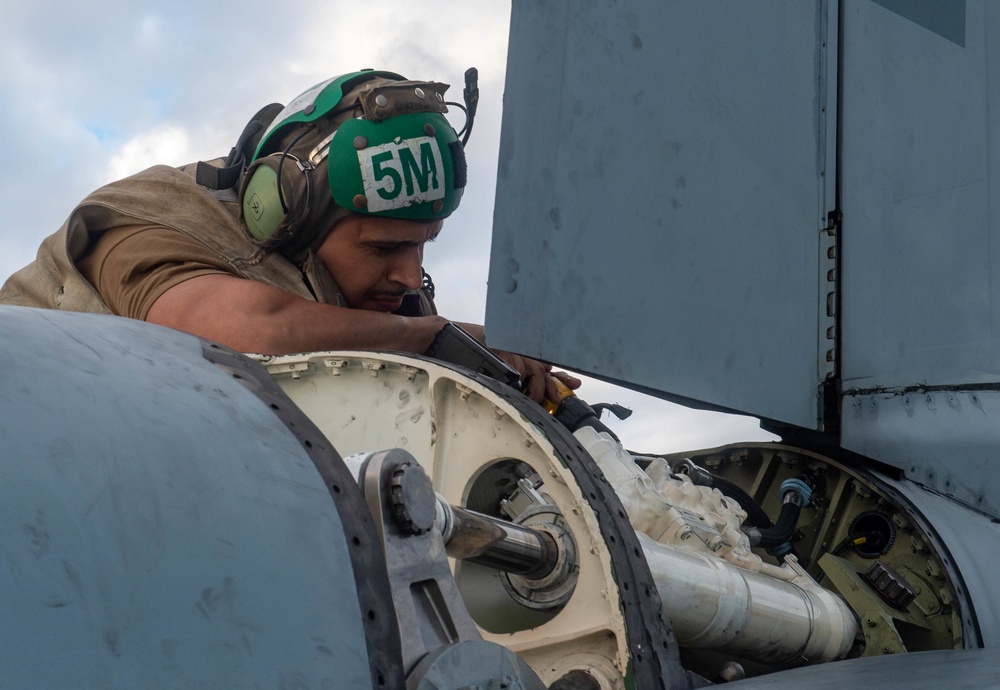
(375, 261)
(370, 143)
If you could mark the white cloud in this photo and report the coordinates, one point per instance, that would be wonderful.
(149, 32)
(169, 145)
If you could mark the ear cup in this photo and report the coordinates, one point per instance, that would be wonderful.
(274, 197)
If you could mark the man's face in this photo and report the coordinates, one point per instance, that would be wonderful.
(375, 261)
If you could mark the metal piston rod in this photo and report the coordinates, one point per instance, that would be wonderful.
(483, 539)
(496, 543)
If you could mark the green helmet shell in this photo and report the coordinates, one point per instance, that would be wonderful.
(409, 166)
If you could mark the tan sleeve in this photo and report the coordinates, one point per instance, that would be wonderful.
(133, 265)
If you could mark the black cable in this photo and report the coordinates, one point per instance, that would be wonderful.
(281, 162)
(783, 528)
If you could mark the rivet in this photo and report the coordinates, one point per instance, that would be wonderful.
(360, 142)
(439, 97)
(381, 101)
(429, 129)
(309, 109)
(437, 206)
(419, 92)
(360, 201)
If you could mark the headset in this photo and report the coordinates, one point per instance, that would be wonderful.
(393, 154)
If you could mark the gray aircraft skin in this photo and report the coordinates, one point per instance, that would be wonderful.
(784, 209)
(164, 526)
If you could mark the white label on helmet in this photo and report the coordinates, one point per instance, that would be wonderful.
(401, 173)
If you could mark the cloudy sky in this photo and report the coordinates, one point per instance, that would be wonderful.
(93, 92)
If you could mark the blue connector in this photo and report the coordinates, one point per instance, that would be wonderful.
(798, 486)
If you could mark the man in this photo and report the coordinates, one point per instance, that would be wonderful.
(310, 236)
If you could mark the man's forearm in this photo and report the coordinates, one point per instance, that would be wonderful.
(254, 317)
(311, 326)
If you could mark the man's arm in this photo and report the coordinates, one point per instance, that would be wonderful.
(255, 317)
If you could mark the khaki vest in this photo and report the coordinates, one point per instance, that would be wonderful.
(171, 198)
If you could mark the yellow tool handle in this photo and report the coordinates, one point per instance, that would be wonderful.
(564, 392)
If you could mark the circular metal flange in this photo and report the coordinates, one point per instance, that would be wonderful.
(556, 588)
(878, 530)
(458, 424)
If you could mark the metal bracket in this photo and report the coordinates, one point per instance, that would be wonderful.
(440, 641)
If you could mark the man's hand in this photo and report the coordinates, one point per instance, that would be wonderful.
(537, 378)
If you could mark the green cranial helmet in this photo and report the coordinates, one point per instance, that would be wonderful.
(382, 141)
